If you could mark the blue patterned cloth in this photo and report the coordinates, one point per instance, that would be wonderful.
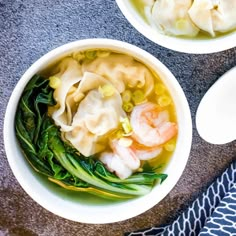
(213, 213)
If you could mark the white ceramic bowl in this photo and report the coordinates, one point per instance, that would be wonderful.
(78, 209)
(187, 45)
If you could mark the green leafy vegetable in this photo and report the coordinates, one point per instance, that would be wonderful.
(138, 178)
(41, 143)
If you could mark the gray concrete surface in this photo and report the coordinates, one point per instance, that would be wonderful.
(28, 29)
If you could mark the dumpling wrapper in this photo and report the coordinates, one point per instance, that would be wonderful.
(99, 114)
(171, 17)
(121, 70)
(214, 15)
(96, 116)
(69, 72)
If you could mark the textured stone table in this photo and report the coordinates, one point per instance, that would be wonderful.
(28, 29)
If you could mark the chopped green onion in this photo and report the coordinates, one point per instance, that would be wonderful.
(103, 54)
(54, 82)
(126, 96)
(128, 106)
(138, 96)
(164, 100)
(170, 146)
(159, 89)
(140, 169)
(90, 54)
(106, 90)
(181, 24)
(126, 125)
(78, 56)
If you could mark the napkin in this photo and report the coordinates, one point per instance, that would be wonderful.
(212, 213)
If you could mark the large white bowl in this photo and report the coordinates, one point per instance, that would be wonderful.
(78, 209)
(187, 45)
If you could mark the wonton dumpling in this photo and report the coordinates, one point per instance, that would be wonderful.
(214, 15)
(171, 17)
(84, 141)
(95, 117)
(69, 71)
(121, 70)
(100, 115)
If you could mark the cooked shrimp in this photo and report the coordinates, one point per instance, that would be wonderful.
(115, 164)
(146, 153)
(126, 154)
(126, 160)
(151, 125)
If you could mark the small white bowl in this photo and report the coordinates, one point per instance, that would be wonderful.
(78, 209)
(186, 45)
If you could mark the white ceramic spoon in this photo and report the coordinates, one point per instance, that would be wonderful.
(216, 113)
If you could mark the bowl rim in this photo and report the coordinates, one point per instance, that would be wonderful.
(184, 45)
(103, 214)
